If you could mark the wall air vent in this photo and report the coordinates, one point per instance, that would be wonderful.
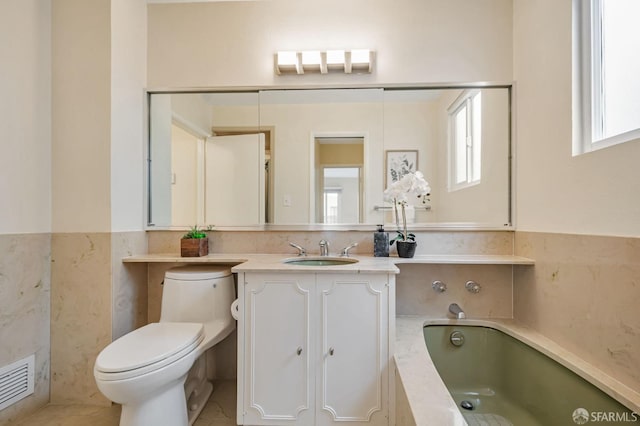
(16, 381)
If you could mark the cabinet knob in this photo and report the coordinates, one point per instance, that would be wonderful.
(331, 351)
(299, 351)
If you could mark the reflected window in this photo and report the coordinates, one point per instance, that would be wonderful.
(331, 205)
(465, 140)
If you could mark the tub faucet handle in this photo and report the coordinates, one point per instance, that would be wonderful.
(472, 287)
(439, 286)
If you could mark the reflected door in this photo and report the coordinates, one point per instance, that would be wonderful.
(339, 183)
(235, 180)
(186, 177)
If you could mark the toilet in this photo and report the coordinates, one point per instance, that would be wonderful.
(157, 371)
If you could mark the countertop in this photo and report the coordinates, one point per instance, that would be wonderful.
(255, 262)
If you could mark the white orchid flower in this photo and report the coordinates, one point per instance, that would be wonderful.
(398, 193)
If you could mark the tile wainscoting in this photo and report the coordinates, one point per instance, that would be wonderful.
(25, 297)
(95, 298)
(584, 294)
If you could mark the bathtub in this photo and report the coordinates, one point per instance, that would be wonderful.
(433, 379)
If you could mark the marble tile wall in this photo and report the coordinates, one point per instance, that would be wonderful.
(432, 242)
(80, 314)
(584, 293)
(129, 296)
(415, 295)
(95, 299)
(25, 293)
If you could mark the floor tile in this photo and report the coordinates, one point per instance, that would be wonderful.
(220, 410)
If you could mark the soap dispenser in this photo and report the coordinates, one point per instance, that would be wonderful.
(381, 242)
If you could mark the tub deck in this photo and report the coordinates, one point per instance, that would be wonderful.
(429, 401)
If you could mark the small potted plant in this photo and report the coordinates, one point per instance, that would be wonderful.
(194, 243)
(398, 193)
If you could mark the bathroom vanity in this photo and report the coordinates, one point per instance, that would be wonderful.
(315, 344)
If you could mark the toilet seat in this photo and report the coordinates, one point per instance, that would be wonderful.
(147, 349)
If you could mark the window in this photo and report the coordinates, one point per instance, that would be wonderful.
(465, 140)
(331, 205)
(606, 69)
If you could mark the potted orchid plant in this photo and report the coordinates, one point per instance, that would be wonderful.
(398, 193)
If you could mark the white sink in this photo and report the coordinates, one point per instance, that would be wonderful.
(320, 261)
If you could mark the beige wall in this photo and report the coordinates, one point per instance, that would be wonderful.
(295, 125)
(98, 113)
(595, 193)
(81, 153)
(583, 292)
(88, 143)
(25, 116)
(233, 43)
(341, 154)
(128, 106)
(25, 193)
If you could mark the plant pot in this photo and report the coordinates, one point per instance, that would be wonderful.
(194, 247)
(406, 248)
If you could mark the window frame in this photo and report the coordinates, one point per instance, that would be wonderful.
(588, 87)
(465, 100)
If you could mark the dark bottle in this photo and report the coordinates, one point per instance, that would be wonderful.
(381, 242)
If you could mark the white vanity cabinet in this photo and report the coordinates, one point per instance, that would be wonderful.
(315, 348)
(275, 345)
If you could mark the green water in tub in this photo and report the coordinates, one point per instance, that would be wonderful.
(502, 382)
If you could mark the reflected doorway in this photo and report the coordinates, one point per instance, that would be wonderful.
(339, 179)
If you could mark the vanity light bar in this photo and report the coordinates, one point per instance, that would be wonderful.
(314, 61)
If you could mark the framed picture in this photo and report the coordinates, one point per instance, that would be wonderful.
(398, 164)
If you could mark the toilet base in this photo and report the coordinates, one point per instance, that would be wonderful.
(197, 402)
(166, 408)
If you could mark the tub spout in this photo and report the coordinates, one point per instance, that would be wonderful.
(456, 310)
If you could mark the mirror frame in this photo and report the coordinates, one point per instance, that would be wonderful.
(445, 226)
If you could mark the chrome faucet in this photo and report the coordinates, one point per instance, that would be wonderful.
(345, 251)
(301, 250)
(456, 310)
(324, 248)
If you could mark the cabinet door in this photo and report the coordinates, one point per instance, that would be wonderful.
(278, 350)
(352, 378)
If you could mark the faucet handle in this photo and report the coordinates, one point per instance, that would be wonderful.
(301, 250)
(472, 287)
(345, 251)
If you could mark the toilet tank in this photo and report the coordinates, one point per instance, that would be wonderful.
(197, 294)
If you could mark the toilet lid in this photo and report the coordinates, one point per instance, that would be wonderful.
(197, 272)
(148, 345)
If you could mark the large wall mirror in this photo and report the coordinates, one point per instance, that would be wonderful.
(323, 157)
